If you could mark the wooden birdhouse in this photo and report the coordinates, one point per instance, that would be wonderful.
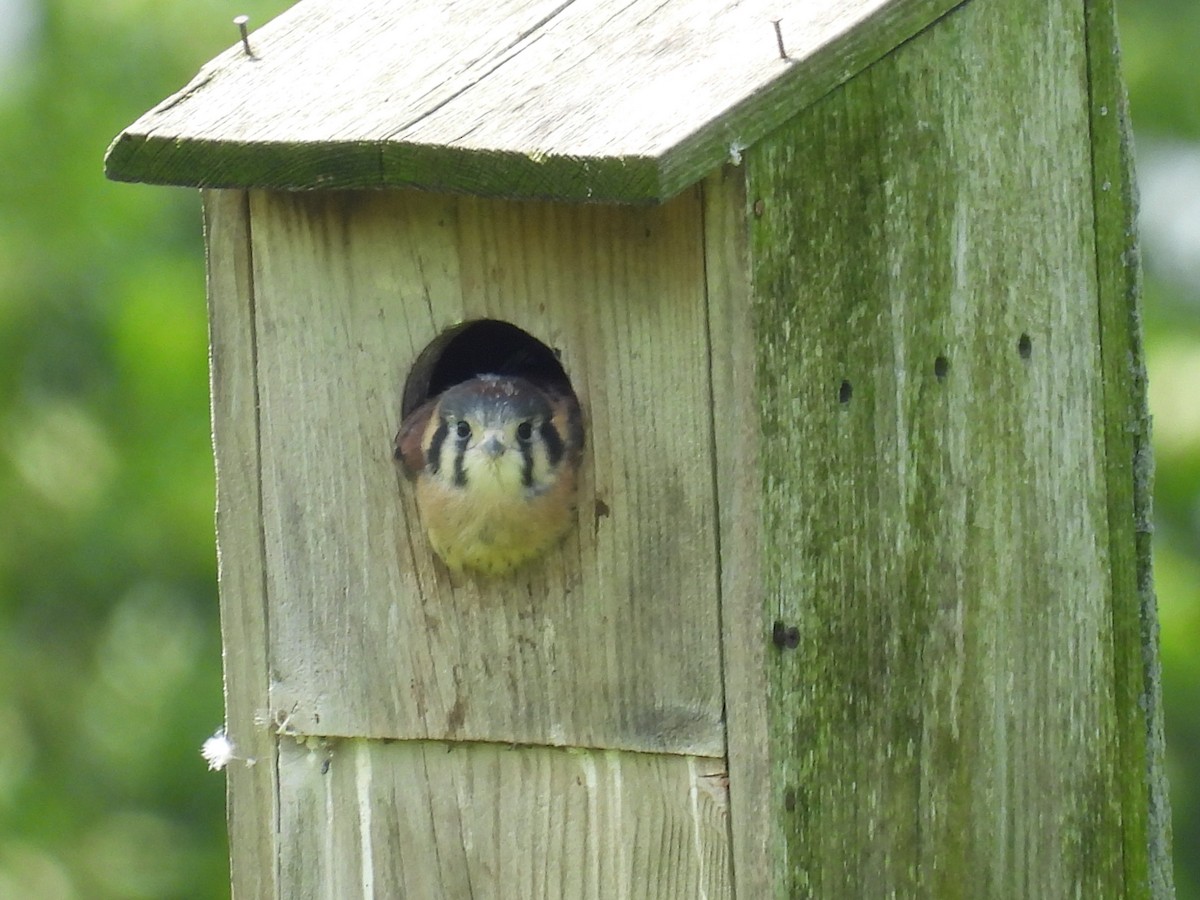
(856, 598)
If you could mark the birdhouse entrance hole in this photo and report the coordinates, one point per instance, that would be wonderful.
(484, 346)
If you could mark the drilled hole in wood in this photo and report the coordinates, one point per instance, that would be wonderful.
(1025, 346)
(845, 392)
(941, 368)
(485, 346)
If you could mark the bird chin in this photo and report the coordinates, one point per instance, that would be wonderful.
(496, 475)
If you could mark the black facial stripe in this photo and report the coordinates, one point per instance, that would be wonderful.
(526, 463)
(460, 450)
(525, 445)
(434, 461)
(553, 442)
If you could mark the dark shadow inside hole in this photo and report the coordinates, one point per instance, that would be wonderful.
(482, 347)
(941, 368)
(845, 392)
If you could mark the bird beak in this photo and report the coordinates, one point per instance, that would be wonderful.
(492, 445)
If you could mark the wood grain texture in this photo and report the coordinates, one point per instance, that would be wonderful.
(252, 801)
(937, 490)
(614, 641)
(432, 821)
(1144, 798)
(882, 384)
(573, 99)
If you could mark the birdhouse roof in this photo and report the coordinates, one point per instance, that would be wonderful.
(608, 100)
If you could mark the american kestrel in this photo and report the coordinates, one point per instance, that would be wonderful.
(495, 461)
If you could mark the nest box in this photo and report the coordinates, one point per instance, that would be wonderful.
(857, 603)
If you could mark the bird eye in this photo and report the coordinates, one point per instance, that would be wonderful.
(462, 429)
(524, 431)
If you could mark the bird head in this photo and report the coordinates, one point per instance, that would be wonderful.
(495, 462)
(494, 434)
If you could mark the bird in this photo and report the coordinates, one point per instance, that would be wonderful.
(495, 459)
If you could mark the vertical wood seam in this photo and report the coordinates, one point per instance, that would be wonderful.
(738, 480)
(716, 496)
(264, 595)
(253, 796)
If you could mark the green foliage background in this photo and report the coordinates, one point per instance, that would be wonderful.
(109, 651)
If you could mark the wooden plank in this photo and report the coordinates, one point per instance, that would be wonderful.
(251, 808)
(573, 99)
(935, 475)
(430, 820)
(1143, 795)
(614, 641)
(739, 499)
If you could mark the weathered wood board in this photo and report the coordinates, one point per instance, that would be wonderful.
(574, 99)
(934, 482)
(614, 643)
(1146, 812)
(447, 821)
(253, 790)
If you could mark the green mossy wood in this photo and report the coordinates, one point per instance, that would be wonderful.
(959, 542)
(860, 602)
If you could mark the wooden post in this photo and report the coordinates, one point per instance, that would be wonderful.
(859, 600)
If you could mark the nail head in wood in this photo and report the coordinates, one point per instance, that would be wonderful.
(241, 22)
(779, 39)
(785, 637)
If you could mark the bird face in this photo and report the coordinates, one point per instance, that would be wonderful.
(494, 436)
(495, 460)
